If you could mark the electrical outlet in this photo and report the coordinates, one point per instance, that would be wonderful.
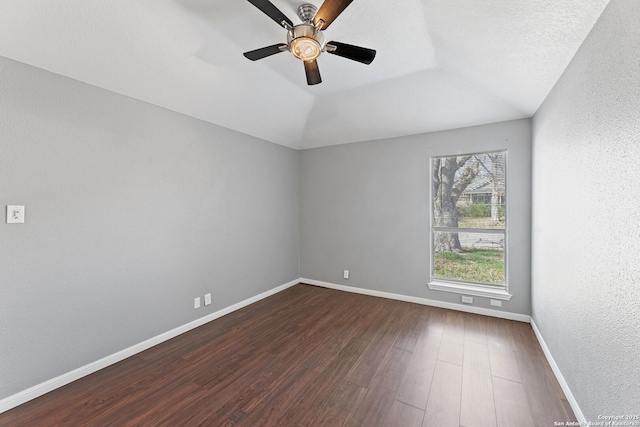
(467, 300)
(346, 274)
(496, 302)
(196, 302)
(207, 299)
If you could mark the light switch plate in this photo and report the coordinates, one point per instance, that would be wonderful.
(15, 214)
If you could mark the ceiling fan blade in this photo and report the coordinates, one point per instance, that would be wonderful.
(329, 11)
(263, 52)
(272, 12)
(349, 51)
(313, 72)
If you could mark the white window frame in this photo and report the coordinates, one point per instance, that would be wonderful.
(500, 292)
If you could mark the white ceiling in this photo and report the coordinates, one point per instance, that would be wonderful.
(440, 64)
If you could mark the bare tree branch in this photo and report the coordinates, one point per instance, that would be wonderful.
(466, 177)
(463, 160)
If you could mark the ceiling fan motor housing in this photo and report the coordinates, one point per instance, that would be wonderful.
(306, 12)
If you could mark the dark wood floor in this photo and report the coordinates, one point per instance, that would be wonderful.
(310, 356)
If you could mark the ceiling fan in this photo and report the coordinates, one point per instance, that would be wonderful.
(306, 41)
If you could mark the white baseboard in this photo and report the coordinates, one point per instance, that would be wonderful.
(54, 383)
(424, 301)
(556, 370)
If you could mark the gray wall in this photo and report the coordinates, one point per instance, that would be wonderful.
(586, 226)
(365, 208)
(131, 212)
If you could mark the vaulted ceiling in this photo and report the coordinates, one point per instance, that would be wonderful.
(440, 64)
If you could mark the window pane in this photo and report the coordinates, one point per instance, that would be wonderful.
(469, 257)
(470, 191)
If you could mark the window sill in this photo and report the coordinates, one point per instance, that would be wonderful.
(478, 291)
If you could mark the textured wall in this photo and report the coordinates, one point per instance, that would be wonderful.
(131, 212)
(365, 208)
(586, 225)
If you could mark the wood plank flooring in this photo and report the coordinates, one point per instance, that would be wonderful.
(310, 356)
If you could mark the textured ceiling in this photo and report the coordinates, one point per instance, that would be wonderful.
(440, 64)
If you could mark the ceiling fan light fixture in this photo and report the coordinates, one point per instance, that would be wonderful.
(305, 42)
(305, 48)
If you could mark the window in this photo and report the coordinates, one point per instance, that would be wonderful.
(468, 224)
